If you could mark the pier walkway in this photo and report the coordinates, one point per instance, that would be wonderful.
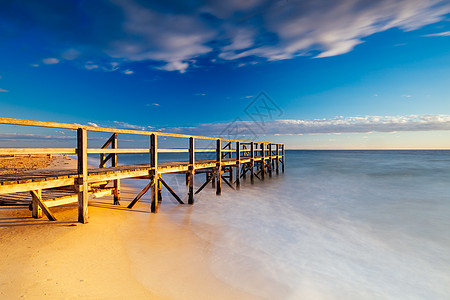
(234, 159)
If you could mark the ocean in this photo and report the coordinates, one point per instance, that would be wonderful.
(334, 225)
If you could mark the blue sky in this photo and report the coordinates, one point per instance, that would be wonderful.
(341, 74)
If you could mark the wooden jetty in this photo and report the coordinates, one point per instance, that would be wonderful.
(234, 159)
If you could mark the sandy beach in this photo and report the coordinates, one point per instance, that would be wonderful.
(119, 254)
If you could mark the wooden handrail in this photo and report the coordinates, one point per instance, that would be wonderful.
(22, 122)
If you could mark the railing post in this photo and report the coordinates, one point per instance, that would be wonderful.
(263, 161)
(252, 162)
(270, 160)
(154, 164)
(36, 211)
(218, 168)
(283, 157)
(114, 164)
(278, 158)
(82, 186)
(238, 165)
(191, 170)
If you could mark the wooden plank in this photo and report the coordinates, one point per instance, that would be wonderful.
(169, 150)
(82, 176)
(171, 191)
(30, 151)
(37, 197)
(227, 182)
(208, 180)
(96, 151)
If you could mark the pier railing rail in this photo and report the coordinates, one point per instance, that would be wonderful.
(225, 148)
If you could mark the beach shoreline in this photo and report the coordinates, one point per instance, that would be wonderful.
(120, 253)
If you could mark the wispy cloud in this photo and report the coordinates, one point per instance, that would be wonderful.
(445, 33)
(93, 124)
(3, 91)
(50, 61)
(172, 35)
(129, 126)
(327, 126)
(128, 72)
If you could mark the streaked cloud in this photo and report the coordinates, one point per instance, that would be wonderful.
(3, 90)
(128, 72)
(172, 35)
(93, 124)
(336, 125)
(445, 33)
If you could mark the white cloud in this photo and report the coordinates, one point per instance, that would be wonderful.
(50, 61)
(3, 91)
(91, 66)
(128, 72)
(445, 33)
(93, 124)
(336, 125)
(34, 65)
(406, 96)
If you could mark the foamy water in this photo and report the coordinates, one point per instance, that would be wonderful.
(335, 225)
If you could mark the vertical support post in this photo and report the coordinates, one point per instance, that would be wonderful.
(263, 161)
(82, 186)
(218, 168)
(270, 160)
(278, 158)
(114, 164)
(252, 162)
(36, 210)
(191, 170)
(283, 157)
(154, 164)
(238, 165)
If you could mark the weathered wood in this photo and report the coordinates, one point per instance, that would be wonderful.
(252, 163)
(227, 182)
(154, 198)
(141, 194)
(238, 165)
(170, 190)
(116, 182)
(30, 151)
(218, 167)
(82, 175)
(277, 158)
(37, 198)
(270, 160)
(35, 208)
(208, 180)
(263, 161)
(191, 171)
(284, 157)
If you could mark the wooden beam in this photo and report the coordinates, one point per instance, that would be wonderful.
(170, 190)
(191, 171)
(82, 176)
(30, 151)
(252, 162)
(154, 198)
(238, 165)
(37, 198)
(208, 180)
(116, 182)
(141, 194)
(269, 164)
(218, 167)
(277, 158)
(263, 161)
(36, 210)
(227, 182)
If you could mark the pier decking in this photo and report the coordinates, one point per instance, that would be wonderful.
(234, 159)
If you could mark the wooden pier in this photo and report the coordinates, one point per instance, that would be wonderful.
(234, 160)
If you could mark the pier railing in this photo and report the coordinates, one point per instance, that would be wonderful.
(271, 154)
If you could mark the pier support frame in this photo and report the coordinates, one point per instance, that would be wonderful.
(238, 165)
(154, 198)
(191, 173)
(218, 168)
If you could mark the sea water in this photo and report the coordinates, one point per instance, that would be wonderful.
(334, 225)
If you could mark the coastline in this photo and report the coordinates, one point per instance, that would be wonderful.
(119, 253)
